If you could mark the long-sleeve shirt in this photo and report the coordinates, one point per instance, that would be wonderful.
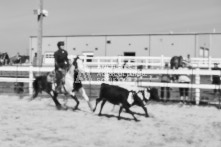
(61, 59)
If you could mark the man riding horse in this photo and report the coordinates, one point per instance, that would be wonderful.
(61, 65)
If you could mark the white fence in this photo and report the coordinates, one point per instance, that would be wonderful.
(144, 61)
(106, 71)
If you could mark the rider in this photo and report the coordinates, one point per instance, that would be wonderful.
(61, 65)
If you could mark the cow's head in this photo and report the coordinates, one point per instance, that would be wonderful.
(144, 95)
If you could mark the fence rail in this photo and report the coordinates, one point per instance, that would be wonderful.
(145, 61)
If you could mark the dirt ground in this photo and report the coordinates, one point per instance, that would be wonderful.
(39, 124)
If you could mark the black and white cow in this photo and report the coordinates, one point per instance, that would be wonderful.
(119, 96)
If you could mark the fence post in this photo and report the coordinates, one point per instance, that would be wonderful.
(119, 62)
(210, 62)
(106, 77)
(197, 90)
(162, 61)
(30, 79)
(98, 63)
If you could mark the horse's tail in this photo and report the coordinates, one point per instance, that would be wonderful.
(36, 87)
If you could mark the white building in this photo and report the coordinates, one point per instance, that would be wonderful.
(195, 45)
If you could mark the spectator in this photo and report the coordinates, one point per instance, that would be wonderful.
(216, 79)
(188, 58)
(184, 79)
(35, 60)
(165, 78)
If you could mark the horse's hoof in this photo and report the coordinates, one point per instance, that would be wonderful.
(60, 108)
(65, 107)
(76, 108)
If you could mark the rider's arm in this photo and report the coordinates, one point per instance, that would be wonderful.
(56, 62)
(66, 58)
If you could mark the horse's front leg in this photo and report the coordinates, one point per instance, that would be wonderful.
(54, 95)
(76, 100)
(84, 95)
(66, 100)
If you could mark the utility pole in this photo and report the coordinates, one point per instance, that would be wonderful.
(40, 32)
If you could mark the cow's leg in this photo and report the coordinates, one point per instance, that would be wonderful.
(84, 95)
(129, 111)
(76, 100)
(145, 110)
(97, 101)
(102, 105)
(140, 103)
(121, 108)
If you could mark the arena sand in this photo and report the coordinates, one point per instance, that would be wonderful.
(39, 124)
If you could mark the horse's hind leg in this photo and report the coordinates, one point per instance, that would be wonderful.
(54, 98)
(76, 100)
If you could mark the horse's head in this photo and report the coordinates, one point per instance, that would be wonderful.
(78, 64)
(176, 62)
(51, 77)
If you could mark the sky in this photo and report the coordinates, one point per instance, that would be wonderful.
(104, 17)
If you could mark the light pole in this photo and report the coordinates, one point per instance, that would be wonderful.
(40, 14)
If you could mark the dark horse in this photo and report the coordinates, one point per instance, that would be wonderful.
(4, 59)
(69, 88)
(175, 63)
(20, 60)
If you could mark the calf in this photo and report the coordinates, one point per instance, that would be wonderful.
(118, 95)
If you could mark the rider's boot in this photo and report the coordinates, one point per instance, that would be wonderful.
(58, 87)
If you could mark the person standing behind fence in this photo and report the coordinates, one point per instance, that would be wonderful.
(165, 78)
(184, 79)
(216, 80)
(35, 58)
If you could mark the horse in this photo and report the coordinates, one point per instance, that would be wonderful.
(175, 63)
(4, 59)
(69, 88)
(22, 59)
